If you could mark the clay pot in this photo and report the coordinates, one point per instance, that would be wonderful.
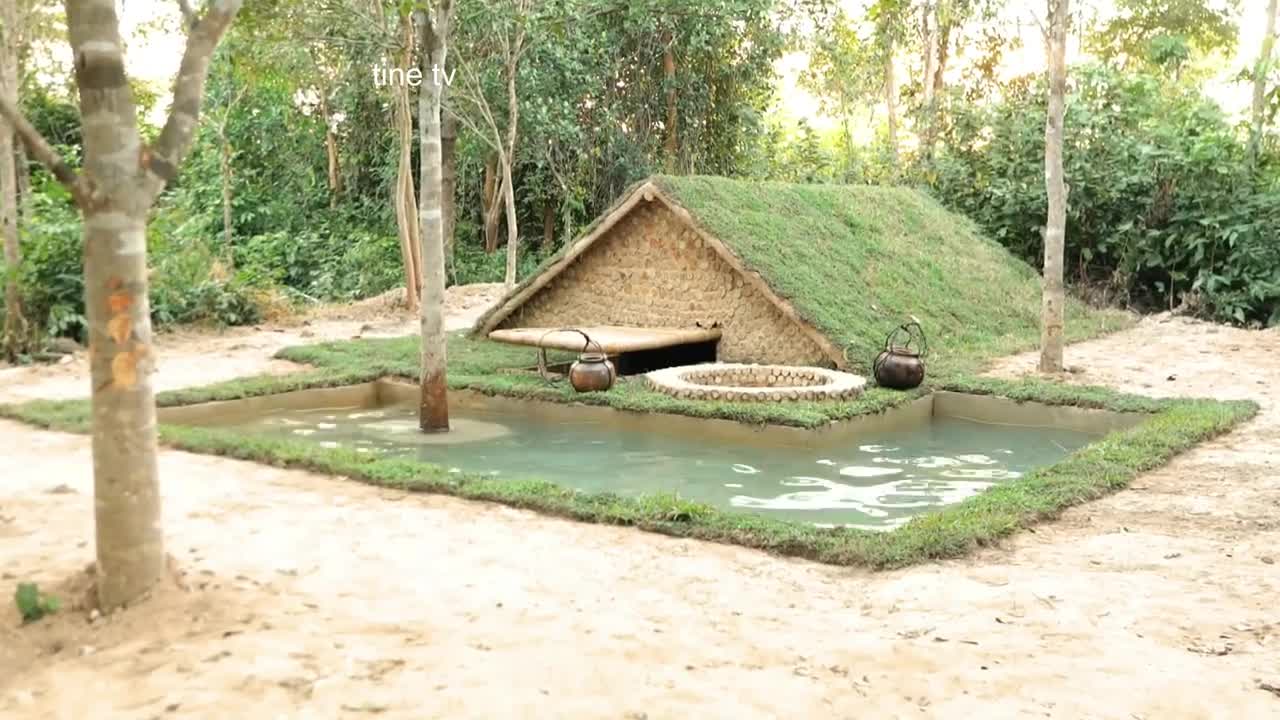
(592, 372)
(899, 369)
(900, 365)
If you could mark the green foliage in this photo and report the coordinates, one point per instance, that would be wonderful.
(1162, 200)
(52, 273)
(189, 284)
(33, 604)
(1163, 33)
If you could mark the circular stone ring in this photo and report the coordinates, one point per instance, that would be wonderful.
(776, 383)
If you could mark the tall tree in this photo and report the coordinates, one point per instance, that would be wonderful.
(14, 324)
(433, 43)
(1261, 71)
(1053, 307)
(506, 23)
(404, 196)
(114, 190)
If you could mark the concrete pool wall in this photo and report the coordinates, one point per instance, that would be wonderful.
(987, 409)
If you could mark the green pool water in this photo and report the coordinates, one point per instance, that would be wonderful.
(875, 479)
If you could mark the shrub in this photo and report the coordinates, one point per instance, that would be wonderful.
(1163, 202)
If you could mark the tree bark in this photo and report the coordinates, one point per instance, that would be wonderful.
(404, 195)
(548, 224)
(672, 143)
(119, 182)
(929, 35)
(433, 409)
(929, 24)
(507, 159)
(14, 332)
(1053, 306)
(225, 166)
(492, 208)
(1262, 68)
(331, 150)
(891, 101)
(449, 179)
(940, 66)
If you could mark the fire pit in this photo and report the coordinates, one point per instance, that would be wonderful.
(777, 383)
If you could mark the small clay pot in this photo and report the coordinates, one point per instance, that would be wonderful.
(899, 369)
(901, 365)
(592, 372)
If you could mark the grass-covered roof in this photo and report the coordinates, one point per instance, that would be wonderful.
(856, 261)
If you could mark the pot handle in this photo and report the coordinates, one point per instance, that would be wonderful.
(913, 331)
(542, 349)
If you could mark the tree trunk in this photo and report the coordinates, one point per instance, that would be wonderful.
(940, 67)
(507, 160)
(929, 36)
(14, 332)
(433, 409)
(225, 166)
(126, 485)
(449, 179)
(672, 145)
(548, 224)
(116, 188)
(331, 150)
(492, 208)
(404, 196)
(1052, 310)
(929, 101)
(513, 240)
(891, 101)
(1261, 70)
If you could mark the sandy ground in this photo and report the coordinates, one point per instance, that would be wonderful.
(315, 597)
(200, 357)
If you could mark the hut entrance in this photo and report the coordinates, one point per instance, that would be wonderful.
(633, 350)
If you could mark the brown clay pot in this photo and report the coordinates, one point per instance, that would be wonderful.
(900, 365)
(899, 369)
(592, 372)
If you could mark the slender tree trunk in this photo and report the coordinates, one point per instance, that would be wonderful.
(225, 166)
(513, 240)
(507, 159)
(492, 208)
(24, 180)
(672, 142)
(940, 67)
(928, 82)
(1262, 69)
(331, 150)
(1052, 311)
(14, 323)
(929, 36)
(891, 101)
(449, 179)
(433, 410)
(404, 195)
(548, 224)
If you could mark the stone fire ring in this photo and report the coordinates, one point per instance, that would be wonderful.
(776, 383)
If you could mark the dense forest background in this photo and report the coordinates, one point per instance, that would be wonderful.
(290, 193)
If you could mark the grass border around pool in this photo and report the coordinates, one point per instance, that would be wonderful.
(1097, 469)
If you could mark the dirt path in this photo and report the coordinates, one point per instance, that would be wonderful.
(313, 597)
(190, 357)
